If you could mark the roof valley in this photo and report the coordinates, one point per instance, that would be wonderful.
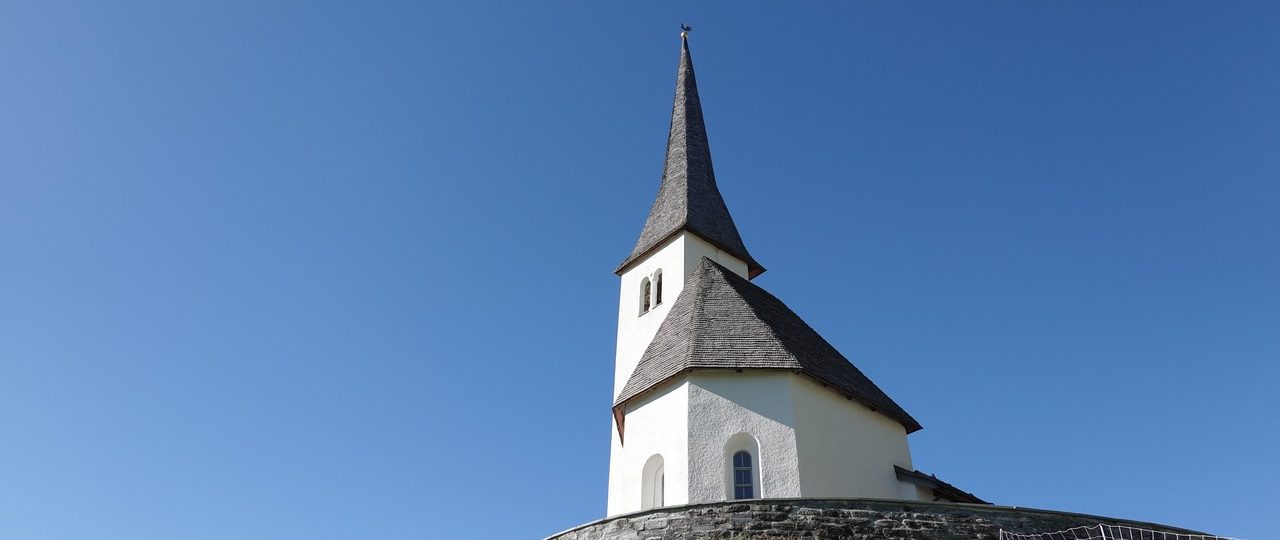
(696, 326)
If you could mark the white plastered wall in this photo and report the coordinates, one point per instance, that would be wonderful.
(655, 423)
(812, 441)
(846, 449)
(676, 258)
(725, 403)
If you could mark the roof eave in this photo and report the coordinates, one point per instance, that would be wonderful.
(753, 268)
(908, 423)
(938, 487)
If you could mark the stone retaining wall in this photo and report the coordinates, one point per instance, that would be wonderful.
(837, 519)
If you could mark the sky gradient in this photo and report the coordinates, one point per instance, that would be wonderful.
(343, 270)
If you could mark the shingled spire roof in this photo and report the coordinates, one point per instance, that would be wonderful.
(722, 321)
(688, 198)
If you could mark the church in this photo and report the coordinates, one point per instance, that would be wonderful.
(733, 418)
(721, 392)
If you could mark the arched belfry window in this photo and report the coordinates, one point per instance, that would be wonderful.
(645, 293)
(743, 476)
(657, 287)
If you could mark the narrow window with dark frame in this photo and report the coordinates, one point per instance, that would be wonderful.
(743, 480)
(644, 296)
(657, 288)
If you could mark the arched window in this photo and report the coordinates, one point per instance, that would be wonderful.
(644, 296)
(743, 476)
(659, 481)
(652, 483)
(657, 287)
(743, 467)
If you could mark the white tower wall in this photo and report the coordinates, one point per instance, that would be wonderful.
(656, 424)
(676, 258)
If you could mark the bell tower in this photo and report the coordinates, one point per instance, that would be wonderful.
(688, 221)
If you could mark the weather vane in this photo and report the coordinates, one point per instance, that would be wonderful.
(685, 29)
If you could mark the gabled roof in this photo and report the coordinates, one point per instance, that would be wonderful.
(722, 321)
(688, 198)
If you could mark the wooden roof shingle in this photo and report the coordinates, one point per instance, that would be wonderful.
(688, 198)
(723, 321)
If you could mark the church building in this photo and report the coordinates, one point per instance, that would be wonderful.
(722, 392)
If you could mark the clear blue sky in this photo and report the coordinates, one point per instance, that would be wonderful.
(331, 271)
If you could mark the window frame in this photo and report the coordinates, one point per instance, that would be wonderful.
(657, 288)
(738, 468)
(743, 442)
(645, 291)
(653, 483)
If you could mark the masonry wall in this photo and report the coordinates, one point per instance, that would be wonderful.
(837, 519)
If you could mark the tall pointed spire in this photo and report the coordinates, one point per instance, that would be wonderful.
(688, 198)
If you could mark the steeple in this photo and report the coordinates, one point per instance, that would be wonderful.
(688, 198)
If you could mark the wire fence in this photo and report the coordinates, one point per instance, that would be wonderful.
(1109, 532)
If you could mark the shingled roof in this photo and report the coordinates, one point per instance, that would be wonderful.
(688, 198)
(941, 490)
(722, 321)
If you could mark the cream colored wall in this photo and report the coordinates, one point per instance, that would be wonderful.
(697, 248)
(725, 403)
(656, 424)
(845, 449)
(811, 441)
(918, 493)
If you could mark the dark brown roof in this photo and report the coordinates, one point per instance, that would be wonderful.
(722, 321)
(941, 490)
(688, 198)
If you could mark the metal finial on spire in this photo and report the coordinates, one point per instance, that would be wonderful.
(685, 29)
